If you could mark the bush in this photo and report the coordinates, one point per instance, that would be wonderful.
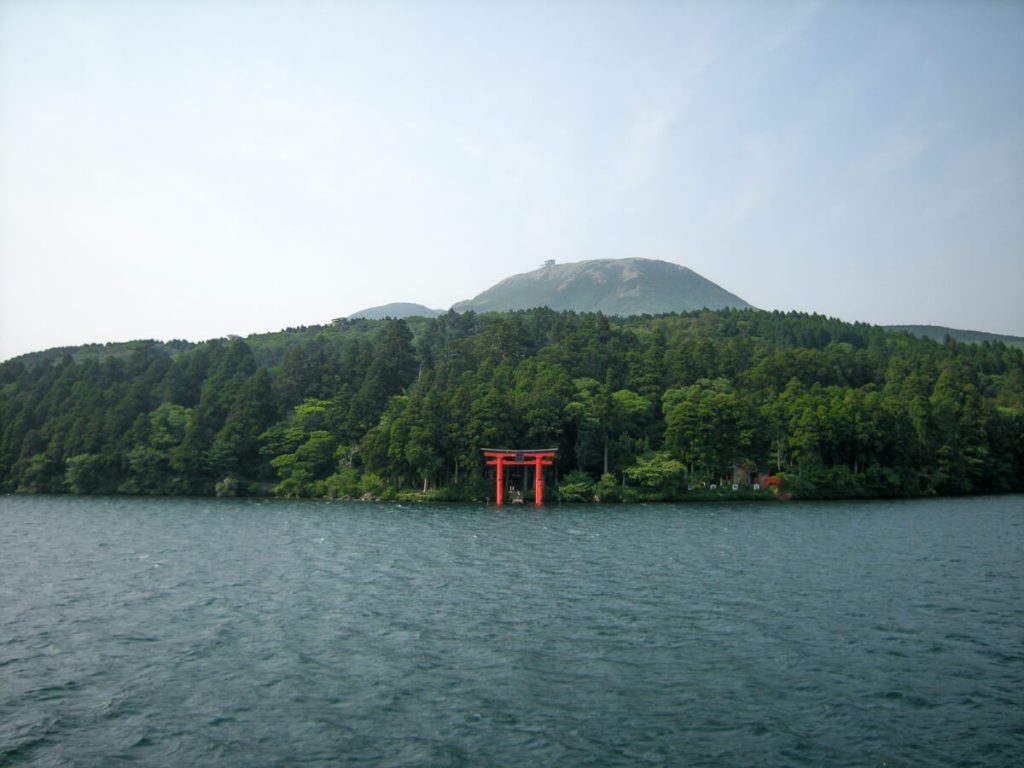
(820, 482)
(658, 474)
(576, 486)
(372, 486)
(474, 490)
(343, 484)
(609, 490)
(229, 486)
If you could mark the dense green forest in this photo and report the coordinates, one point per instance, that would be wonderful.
(644, 407)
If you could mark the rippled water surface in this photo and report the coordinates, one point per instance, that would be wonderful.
(247, 633)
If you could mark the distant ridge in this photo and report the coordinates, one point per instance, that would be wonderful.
(612, 286)
(397, 309)
(939, 333)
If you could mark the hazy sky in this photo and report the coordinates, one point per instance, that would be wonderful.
(192, 169)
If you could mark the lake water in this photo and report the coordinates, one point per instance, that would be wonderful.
(247, 633)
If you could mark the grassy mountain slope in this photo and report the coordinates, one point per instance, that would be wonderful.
(611, 286)
(396, 310)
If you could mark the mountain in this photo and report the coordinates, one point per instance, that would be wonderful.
(612, 286)
(939, 333)
(396, 310)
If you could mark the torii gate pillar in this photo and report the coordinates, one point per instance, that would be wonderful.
(500, 458)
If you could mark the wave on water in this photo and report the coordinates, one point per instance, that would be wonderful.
(344, 634)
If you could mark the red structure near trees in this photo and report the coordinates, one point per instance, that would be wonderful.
(538, 459)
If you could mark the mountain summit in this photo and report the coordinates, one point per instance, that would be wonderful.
(612, 286)
(397, 309)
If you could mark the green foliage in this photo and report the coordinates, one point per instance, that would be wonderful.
(610, 490)
(373, 486)
(227, 487)
(576, 486)
(84, 473)
(343, 484)
(400, 408)
(657, 471)
(709, 425)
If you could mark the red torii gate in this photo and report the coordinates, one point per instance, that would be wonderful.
(538, 459)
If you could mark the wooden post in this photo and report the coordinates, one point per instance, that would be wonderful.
(538, 481)
(499, 491)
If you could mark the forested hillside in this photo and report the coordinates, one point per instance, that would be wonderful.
(939, 333)
(639, 407)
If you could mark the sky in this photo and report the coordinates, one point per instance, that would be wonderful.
(194, 169)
